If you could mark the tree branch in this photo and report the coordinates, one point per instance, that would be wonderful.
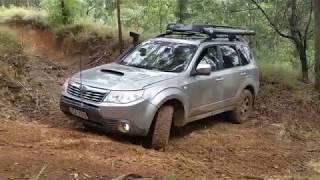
(308, 24)
(270, 21)
(89, 9)
(243, 10)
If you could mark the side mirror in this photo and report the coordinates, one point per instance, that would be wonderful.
(203, 69)
(135, 38)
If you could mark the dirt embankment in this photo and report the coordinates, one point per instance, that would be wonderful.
(42, 62)
(281, 140)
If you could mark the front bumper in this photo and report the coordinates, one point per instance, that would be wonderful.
(106, 116)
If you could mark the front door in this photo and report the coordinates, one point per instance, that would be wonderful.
(205, 92)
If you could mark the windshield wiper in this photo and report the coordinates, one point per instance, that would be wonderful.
(137, 66)
(143, 67)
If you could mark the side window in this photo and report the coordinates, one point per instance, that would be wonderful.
(245, 55)
(230, 57)
(210, 56)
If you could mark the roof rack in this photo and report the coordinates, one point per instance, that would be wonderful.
(211, 31)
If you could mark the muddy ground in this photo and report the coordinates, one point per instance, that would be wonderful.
(280, 141)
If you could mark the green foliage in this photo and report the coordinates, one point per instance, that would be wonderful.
(278, 65)
(98, 9)
(157, 14)
(61, 11)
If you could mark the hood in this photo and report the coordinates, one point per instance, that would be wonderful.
(119, 77)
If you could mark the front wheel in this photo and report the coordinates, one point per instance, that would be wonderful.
(161, 128)
(243, 107)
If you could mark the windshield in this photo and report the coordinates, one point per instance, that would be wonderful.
(161, 56)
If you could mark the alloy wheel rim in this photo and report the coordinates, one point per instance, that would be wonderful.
(245, 106)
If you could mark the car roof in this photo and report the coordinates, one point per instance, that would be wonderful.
(198, 41)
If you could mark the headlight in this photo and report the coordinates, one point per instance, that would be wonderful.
(65, 85)
(123, 97)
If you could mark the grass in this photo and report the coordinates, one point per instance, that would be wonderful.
(9, 43)
(278, 66)
(279, 73)
(11, 52)
(11, 65)
(22, 14)
(170, 176)
(37, 177)
(84, 29)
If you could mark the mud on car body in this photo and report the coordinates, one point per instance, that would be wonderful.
(188, 73)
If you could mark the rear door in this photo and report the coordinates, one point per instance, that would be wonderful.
(231, 74)
(249, 68)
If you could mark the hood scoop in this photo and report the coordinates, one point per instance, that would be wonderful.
(110, 71)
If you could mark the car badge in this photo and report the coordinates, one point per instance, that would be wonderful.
(83, 88)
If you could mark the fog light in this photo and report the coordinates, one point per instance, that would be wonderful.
(123, 127)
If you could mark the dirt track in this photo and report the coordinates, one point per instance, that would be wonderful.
(281, 141)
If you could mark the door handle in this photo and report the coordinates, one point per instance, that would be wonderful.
(220, 79)
(243, 73)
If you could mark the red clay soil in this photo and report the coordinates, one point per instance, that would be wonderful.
(280, 141)
(40, 40)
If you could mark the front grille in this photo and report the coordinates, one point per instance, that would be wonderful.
(87, 92)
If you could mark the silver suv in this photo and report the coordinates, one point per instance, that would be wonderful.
(189, 73)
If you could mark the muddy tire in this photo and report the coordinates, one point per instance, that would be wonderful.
(161, 128)
(243, 108)
(89, 127)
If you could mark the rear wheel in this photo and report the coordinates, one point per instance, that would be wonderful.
(243, 107)
(161, 128)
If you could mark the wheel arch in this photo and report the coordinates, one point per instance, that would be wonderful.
(177, 99)
(178, 113)
(250, 88)
(250, 85)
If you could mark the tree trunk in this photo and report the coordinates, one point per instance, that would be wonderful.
(181, 10)
(64, 12)
(302, 50)
(119, 25)
(160, 17)
(304, 64)
(317, 41)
